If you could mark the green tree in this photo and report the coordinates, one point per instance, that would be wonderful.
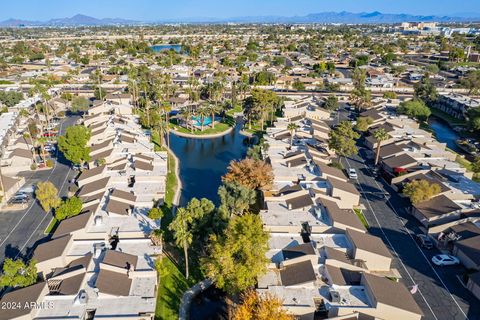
(415, 109)
(472, 81)
(100, 93)
(191, 223)
(342, 139)
(298, 85)
(425, 90)
(47, 194)
(363, 123)
(292, 128)
(235, 200)
(379, 135)
(17, 274)
(155, 213)
(433, 68)
(68, 208)
(74, 144)
(420, 190)
(390, 95)
(237, 257)
(331, 103)
(80, 104)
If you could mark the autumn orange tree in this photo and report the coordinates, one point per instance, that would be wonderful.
(260, 307)
(250, 173)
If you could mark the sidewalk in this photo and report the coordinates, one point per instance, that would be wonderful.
(189, 295)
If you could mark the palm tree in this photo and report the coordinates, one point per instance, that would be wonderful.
(182, 234)
(42, 141)
(203, 112)
(380, 135)
(213, 108)
(292, 127)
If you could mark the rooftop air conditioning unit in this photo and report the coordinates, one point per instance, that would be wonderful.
(335, 296)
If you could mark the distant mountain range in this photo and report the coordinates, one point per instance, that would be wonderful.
(77, 20)
(323, 17)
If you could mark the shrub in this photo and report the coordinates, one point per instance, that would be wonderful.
(49, 163)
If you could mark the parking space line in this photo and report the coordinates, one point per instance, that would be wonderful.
(393, 249)
(411, 237)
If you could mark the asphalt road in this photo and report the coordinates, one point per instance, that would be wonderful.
(440, 294)
(22, 230)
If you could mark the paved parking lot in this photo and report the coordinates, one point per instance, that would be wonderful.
(440, 294)
(22, 230)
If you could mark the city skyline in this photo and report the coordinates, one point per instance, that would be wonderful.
(148, 10)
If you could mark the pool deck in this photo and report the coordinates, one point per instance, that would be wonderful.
(202, 136)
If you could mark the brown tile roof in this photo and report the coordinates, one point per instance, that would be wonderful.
(127, 139)
(298, 251)
(343, 277)
(67, 285)
(297, 162)
(345, 217)
(345, 186)
(391, 149)
(368, 243)
(101, 155)
(466, 230)
(471, 248)
(123, 195)
(299, 202)
(94, 187)
(391, 293)
(338, 255)
(9, 182)
(51, 249)
(24, 295)
(334, 172)
(400, 161)
(22, 153)
(120, 259)
(91, 173)
(143, 166)
(100, 145)
(144, 157)
(118, 207)
(436, 206)
(114, 283)
(297, 273)
(72, 224)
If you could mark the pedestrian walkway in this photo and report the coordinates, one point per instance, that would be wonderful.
(189, 295)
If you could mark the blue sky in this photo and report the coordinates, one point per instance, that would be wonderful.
(151, 10)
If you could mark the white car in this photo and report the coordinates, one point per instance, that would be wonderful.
(445, 260)
(352, 174)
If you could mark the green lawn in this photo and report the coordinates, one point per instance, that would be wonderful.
(467, 165)
(172, 285)
(51, 226)
(219, 127)
(360, 216)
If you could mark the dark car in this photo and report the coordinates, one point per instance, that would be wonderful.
(424, 241)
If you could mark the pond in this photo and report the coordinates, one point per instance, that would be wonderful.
(204, 161)
(444, 133)
(163, 47)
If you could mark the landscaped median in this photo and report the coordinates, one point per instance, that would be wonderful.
(362, 218)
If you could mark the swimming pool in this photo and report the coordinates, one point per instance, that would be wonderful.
(198, 121)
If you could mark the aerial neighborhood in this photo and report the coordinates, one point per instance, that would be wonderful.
(240, 170)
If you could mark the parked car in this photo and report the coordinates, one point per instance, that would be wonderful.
(21, 195)
(50, 148)
(352, 173)
(50, 134)
(76, 167)
(424, 241)
(445, 260)
(17, 201)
